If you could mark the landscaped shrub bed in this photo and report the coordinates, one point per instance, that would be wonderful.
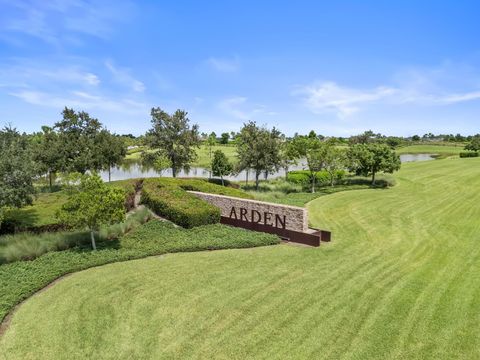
(21, 279)
(28, 246)
(469, 154)
(322, 177)
(169, 198)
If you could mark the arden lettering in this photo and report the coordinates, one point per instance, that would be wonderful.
(255, 216)
(243, 214)
(266, 218)
(234, 213)
(278, 220)
(259, 216)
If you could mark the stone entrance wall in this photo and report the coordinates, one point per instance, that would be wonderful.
(276, 215)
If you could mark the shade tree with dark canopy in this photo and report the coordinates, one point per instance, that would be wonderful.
(259, 149)
(173, 135)
(372, 158)
(17, 170)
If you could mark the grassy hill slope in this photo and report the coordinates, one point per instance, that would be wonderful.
(401, 279)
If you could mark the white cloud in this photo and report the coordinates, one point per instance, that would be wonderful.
(28, 74)
(454, 98)
(328, 96)
(122, 76)
(56, 22)
(224, 65)
(81, 100)
(239, 108)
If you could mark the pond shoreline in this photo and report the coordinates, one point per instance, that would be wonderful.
(134, 170)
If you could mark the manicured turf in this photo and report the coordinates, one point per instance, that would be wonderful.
(22, 278)
(401, 280)
(203, 153)
(441, 150)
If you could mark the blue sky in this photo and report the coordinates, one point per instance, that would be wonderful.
(338, 67)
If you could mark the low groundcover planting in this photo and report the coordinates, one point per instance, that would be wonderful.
(22, 278)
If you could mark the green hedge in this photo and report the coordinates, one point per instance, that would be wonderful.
(21, 279)
(322, 177)
(169, 198)
(468, 154)
(207, 187)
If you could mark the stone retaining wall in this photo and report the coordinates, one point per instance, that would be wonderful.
(280, 216)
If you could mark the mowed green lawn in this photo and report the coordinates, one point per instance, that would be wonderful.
(203, 154)
(441, 150)
(401, 280)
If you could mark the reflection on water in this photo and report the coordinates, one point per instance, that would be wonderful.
(416, 157)
(132, 170)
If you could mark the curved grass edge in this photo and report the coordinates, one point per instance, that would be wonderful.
(26, 278)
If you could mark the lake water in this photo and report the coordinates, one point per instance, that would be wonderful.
(134, 170)
(416, 157)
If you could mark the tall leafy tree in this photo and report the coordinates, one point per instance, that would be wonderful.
(334, 160)
(175, 137)
(17, 170)
(76, 134)
(156, 160)
(92, 205)
(474, 144)
(310, 148)
(221, 166)
(224, 138)
(369, 159)
(47, 153)
(259, 149)
(110, 151)
(289, 155)
(364, 138)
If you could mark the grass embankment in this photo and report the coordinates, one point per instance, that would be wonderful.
(399, 281)
(22, 278)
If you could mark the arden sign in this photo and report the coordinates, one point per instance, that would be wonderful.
(266, 218)
(289, 222)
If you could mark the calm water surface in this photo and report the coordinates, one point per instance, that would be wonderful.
(134, 170)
